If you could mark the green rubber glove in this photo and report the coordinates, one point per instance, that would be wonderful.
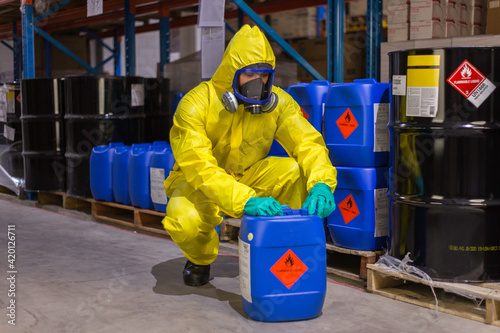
(263, 207)
(320, 199)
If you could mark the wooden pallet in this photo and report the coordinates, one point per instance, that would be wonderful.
(349, 263)
(129, 216)
(5, 190)
(64, 200)
(414, 290)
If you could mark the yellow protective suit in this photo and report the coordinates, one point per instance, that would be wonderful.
(221, 156)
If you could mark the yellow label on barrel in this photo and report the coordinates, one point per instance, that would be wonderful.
(422, 85)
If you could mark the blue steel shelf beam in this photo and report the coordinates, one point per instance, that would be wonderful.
(335, 41)
(18, 52)
(51, 11)
(47, 59)
(28, 40)
(274, 36)
(164, 37)
(129, 13)
(7, 45)
(373, 38)
(64, 49)
(117, 53)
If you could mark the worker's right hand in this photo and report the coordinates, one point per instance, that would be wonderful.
(263, 207)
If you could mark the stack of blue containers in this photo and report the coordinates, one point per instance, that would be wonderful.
(311, 98)
(131, 174)
(355, 131)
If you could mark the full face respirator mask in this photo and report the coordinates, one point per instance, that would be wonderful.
(256, 95)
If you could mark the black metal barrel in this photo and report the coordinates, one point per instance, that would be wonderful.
(157, 109)
(42, 117)
(445, 171)
(99, 110)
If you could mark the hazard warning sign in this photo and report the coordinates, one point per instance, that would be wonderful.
(471, 83)
(348, 209)
(289, 268)
(347, 123)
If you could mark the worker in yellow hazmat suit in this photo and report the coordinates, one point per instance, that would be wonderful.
(222, 132)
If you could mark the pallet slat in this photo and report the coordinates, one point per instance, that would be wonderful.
(417, 291)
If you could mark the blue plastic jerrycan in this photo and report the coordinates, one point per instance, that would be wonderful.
(311, 97)
(282, 262)
(162, 163)
(355, 123)
(119, 174)
(361, 220)
(138, 173)
(101, 165)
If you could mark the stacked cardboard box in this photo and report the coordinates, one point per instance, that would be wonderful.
(472, 17)
(493, 22)
(398, 20)
(427, 19)
(315, 52)
(300, 23)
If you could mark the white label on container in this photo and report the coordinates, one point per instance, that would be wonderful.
(422, 101)
(157, 189)
(399, 85)
(381, 132)
(9, 132)
(481, 93)
(244, 262)
(381, 212)
(137, 94)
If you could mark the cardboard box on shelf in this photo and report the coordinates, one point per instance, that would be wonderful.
(452, 28)
(427, 10)
(398, 14)
(427, 29)
(315, 52)
(453, 11)
(492, 21)
(397, 32)
(397, 2)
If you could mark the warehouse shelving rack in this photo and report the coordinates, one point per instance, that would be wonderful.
(60, 18)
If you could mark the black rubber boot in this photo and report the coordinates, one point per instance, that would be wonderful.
(196, 275)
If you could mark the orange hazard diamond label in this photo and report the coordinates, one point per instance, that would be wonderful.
(289, 268)
(347, 123)
(348, 209)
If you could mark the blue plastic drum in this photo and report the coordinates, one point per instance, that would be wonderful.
(282, 266)
(101, 165)
(361, 220)
(355, 123)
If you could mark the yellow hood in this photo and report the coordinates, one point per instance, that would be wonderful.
(256, 49)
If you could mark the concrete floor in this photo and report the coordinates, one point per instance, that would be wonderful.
(76, 275)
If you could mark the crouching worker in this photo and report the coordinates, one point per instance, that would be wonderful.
(222, 132)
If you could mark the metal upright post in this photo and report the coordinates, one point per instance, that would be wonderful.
(373, 38)
(129, 9)
(47, 59)
(18, 56)
(164, 37)
(335, 41)
(117, 53)
(28, 40)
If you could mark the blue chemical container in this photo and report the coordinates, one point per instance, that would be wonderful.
(311, 98)
(282, 266)
(101, 164)
(277, 150)
(138, 173)
(355, 123)
(361, 220)
(162, 163)
(119, 174)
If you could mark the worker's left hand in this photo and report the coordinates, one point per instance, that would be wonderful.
(320, 199)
